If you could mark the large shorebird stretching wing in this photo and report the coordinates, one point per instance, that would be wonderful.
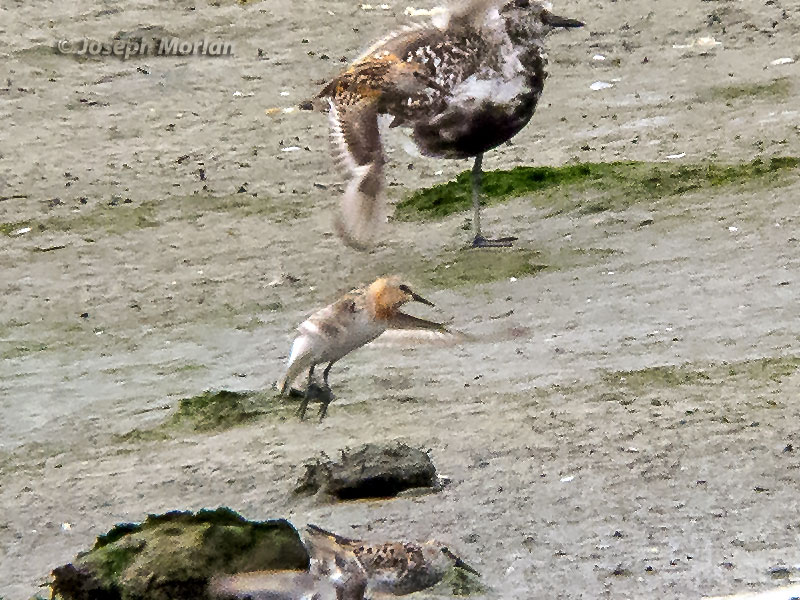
(464, 84)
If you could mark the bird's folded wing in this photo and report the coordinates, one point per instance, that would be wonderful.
(356, 138)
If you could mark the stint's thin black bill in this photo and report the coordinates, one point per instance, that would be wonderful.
(419, 298)
(556, 21)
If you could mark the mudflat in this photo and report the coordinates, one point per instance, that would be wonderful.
(624, 422)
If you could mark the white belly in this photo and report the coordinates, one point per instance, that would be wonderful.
(331, 341)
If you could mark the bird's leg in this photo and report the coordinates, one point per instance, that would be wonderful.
(477, 176)
(301, 412)
(325, 374)
(323, 410)
(480, 241)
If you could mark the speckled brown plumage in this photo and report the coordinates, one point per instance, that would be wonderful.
(463, 85)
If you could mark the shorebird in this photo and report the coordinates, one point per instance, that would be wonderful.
(397, 568)
(349, 323)
(464, 84)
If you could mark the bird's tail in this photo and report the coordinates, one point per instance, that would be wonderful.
(300, 361)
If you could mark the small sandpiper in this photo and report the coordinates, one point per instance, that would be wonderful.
(349, 323)
(396, 568)
(464, 84)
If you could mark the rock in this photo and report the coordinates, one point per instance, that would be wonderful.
(371, 471)
(780, 572)
(174, 556)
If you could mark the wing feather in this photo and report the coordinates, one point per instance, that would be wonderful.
(356, 137)
(406, 329)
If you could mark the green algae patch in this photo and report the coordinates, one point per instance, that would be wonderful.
(659, 376)
(215, 411)
(761, 370)
(764, 369)
(614, 186)
(212, 411)
(118, 218)
(698, 380)
(470, 267)
(20, 349)
(9, 228)
(776, 89)
(174, 556)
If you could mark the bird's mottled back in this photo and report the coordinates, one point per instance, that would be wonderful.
(394, 567)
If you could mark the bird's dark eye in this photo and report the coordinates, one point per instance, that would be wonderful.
(522, 3)
(405, 288)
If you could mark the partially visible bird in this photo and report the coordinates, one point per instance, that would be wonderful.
(334, 574)
(393, 567)
(349, 323)
(464, 84)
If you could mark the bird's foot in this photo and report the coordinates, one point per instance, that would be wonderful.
(503, 242)
(326, 397)
(316, 393)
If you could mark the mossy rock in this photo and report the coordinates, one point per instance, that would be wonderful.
(175, 555)
(619, 185)
(379, 470)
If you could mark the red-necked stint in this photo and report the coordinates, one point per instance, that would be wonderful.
(464, 84)
(349, 323)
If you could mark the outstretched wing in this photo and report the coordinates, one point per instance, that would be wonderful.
(355, 134)
(404, 329)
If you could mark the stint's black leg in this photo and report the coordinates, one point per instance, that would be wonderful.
(479, 241)
(325, 374)
(323, 410)
(304, 402)
(477, 178)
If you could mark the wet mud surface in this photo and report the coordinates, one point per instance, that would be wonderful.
(624, 424)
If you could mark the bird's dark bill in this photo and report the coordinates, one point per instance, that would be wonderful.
(462, 565)
(419, 298)
(556, 21)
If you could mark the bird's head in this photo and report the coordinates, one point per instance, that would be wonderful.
(533, 18)
(389, 293)
(442, 558)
